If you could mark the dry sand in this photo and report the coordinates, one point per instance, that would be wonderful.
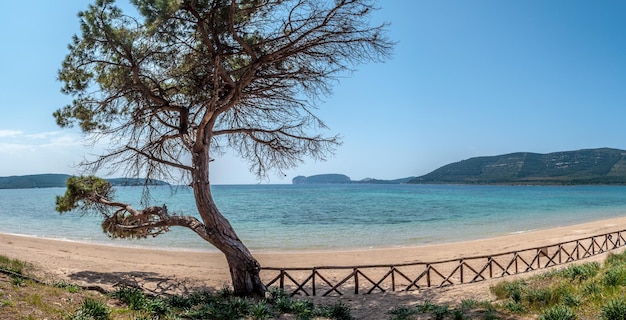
(164, 271)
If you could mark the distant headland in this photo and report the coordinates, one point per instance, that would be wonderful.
(58, 180)
(603, 166)
(341, 178)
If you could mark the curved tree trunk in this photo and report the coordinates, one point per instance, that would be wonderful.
(244, 268)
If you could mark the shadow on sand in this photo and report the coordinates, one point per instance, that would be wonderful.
(150, 282)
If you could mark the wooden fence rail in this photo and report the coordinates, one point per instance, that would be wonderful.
(337, 280)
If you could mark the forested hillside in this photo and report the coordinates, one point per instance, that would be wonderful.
(58, 180)
(589, 166)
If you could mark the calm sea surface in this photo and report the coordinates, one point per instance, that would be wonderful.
(296, 217)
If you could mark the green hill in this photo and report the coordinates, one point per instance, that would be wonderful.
(58, 180)
(33, 181)
(589, 166)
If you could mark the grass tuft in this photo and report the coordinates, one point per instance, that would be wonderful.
(614, 310)
(91, 309)
(14, 265)
(558, 313)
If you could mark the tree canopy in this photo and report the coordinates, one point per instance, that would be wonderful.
(239, 75)
(172, 88)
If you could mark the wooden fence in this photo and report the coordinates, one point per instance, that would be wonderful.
(337, 280)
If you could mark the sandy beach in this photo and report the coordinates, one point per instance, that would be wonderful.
(165, 271)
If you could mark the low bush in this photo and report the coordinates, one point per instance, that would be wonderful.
(14, 265)
(614, 276)
(558, 313)
(614, 310)
(91, 309)
(580, 272)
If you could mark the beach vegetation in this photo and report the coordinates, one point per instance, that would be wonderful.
(221, 305)
(260, 311)
(402, 313)
(566, 293)
(70, 287)
(558, 312)
(588, 290)
(467, 309)
(15, 266)
(134, 298)
(581, 272)
(177, 85)
(614, 310)
(91, 309)
(34, 299)
(39, 300)
(17, 281)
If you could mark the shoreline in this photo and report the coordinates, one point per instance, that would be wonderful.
(10, 243)
(580, 229)
(141, 244)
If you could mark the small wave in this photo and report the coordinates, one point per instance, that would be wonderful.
(522, 231)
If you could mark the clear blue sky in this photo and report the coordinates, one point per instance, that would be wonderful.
(468, 78)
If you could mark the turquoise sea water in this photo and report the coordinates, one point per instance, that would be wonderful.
(317, 217)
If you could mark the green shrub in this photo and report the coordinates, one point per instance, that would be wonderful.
(509, 290)
(13, 265)
(458, 315)
(202, 297)
(582, 272)
(338, 311)
(283, 304)
(614, 259)
(260, 311)
(91, 309)
(591, 288)
(427, 306)
(304, 309)
(558, 313)
(402, 313)
(180, 302)
(542, 297)
(134, 298)
(71, 288)
(158, 307)
(614, 276)
(17, 281)
(491, 315)
(440, 311)
(570, 300)
(613, 310)
(239, 305)
(468, 304)
(515, 307)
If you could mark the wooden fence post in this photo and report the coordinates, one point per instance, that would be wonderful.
(393, 278)
(356, 280)
(461, 269)
(313, 280)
